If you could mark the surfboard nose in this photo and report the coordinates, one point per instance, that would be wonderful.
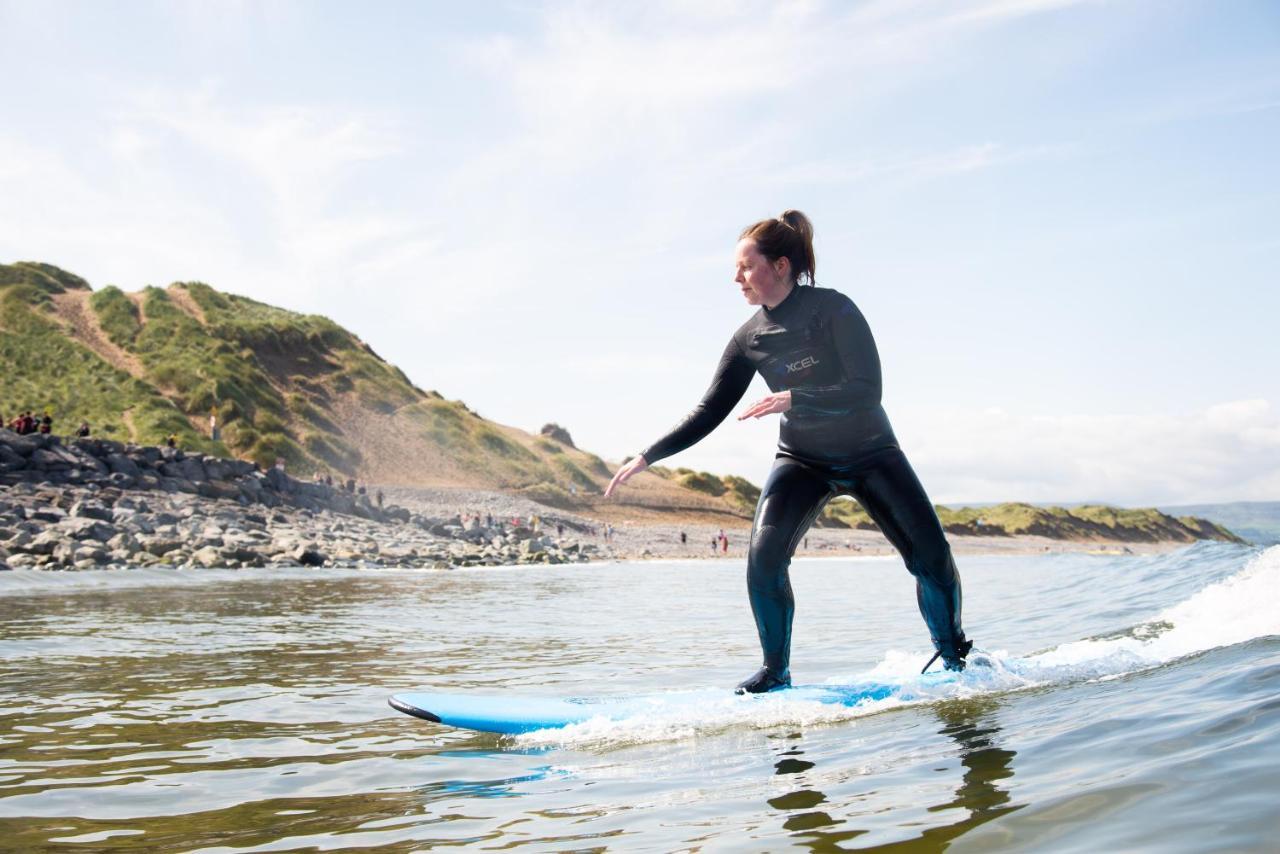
(409, 709)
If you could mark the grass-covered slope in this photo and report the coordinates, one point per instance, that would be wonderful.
(1086, 522)
(43, 367)
(139, 366)
(1256, 521)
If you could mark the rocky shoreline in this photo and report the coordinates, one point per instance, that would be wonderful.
(93, 503)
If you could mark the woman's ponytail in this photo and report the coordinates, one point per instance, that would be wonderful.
(789, 236)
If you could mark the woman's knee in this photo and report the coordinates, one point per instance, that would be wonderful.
(768, 558)
(930, 557)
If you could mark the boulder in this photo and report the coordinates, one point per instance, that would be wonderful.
(93, 554)
(217, 469)
(192, 470)
(88, 462)
(86, 529)
(123, 541)
(11, 460)
(159, 546)
(208, 557)
(308, 555)
(218, 489)
(148, 456)
(44, 543)
(121, 464)
(19, 539)
(24, 445)
(91, 510)
(52, 459)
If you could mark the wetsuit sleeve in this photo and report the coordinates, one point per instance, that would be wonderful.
(860, 361)
(728, 385)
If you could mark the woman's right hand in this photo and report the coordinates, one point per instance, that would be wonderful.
(633, 466)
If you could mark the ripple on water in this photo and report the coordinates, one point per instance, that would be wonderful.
(1132, 705)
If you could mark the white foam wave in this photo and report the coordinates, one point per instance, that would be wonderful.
(1237, 609)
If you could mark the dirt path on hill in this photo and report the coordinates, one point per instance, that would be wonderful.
(127, 418)
(184, 301)
(72, 307)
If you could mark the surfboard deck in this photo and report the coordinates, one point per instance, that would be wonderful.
(512, 714)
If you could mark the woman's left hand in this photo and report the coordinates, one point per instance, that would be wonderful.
(768, 405)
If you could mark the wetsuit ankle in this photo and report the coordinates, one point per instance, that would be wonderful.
(762, 681)
(954, 654)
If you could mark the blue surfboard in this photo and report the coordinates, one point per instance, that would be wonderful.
(512, 714)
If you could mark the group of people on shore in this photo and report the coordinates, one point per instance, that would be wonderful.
(349, 485)
(27, 422)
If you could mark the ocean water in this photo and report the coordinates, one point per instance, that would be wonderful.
(1133, 703)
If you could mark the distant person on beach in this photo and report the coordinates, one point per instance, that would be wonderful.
(816, 353)
(684, 538)
(82, 432)
(46, 423)
(172, 440)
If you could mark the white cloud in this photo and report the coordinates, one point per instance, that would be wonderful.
(619, 143)
(993, 10)
(1230, 451)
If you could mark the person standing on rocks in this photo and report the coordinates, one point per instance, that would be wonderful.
(815, 350)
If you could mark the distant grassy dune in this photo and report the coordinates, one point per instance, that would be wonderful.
(1085, 522)
(1256, 521)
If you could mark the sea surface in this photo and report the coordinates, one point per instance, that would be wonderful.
(1132, 703)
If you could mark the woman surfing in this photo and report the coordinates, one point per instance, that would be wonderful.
(816, 353)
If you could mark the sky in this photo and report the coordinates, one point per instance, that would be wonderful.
(1058, 216)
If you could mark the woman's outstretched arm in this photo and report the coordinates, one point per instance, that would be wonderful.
(728, 385)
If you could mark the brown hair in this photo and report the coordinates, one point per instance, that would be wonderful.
(788, 236)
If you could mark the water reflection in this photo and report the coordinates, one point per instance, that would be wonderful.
(972, 726)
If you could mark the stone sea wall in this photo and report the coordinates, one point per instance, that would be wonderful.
(93, 502)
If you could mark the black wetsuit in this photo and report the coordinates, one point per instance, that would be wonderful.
(835, 439)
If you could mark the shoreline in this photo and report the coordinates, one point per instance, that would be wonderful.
(94, 503)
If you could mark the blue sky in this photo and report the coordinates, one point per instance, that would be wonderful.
(1058, 216)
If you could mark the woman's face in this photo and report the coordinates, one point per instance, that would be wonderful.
(762, 282)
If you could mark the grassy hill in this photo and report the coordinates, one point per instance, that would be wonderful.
(1085, 522)
(139, 366)
(1256, 521)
